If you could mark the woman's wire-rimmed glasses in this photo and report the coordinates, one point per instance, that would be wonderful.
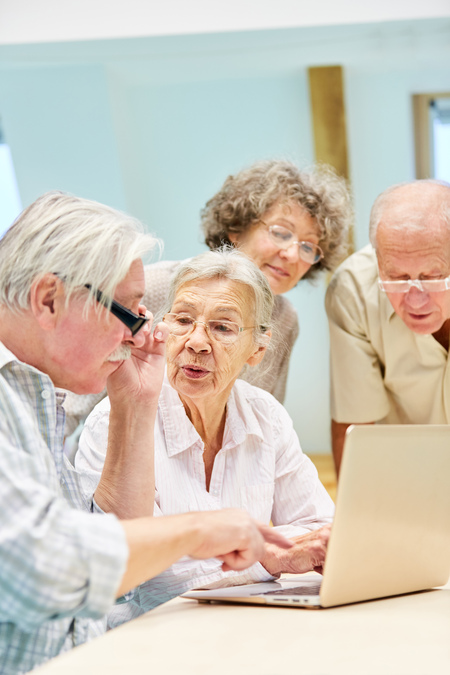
(221, 330)
(284, 238)
(423, 285)
(131, 320)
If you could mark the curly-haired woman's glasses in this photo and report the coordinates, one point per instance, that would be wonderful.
(284, 238)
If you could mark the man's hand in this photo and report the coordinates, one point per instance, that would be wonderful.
(307, 553)
(127, 484)
(230, 535)
(234, 537)
(139, 378)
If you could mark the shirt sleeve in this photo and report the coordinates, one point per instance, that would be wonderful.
(56, 561)
(357, 390)
(271, 375)
(301, 503)
(90, 458)
(290, 335)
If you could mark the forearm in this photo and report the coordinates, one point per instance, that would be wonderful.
(154, 545)
(127, 484)
(276, 563)
(229, 534)
(338, 431)
(301, 503)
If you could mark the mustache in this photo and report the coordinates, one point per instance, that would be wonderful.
(122, 353)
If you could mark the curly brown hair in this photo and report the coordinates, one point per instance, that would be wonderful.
(245, 197)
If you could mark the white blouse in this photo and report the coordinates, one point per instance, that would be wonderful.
(260, 468)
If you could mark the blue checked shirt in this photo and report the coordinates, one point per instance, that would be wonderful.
(60, 564)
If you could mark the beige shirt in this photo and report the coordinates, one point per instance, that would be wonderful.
(380, 369)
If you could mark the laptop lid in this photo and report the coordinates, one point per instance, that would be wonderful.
(391, 531)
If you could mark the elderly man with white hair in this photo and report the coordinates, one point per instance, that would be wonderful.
(388, 307)
(71, 316)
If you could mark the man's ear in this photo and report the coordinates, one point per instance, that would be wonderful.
(258, 354)
(46, 297)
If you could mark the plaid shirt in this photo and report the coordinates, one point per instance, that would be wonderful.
(60, 564)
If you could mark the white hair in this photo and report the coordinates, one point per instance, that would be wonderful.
(386, 199)
(81, 241)
(229, 263)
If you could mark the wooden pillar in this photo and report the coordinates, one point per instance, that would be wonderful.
(326, 87)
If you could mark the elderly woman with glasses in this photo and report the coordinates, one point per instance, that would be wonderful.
(219, 441)
(292, 223)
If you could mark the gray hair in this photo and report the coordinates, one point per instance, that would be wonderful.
(229, 263)
(81, 241)
(386, 199)
(245, 197)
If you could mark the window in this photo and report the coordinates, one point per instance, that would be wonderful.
(440, 135)
(432, 135)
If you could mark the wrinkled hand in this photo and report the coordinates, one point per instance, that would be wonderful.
(307, 553)
(139, 378)
(232, 536)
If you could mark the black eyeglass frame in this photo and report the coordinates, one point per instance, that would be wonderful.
(131, 320)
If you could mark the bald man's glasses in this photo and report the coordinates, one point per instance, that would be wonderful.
(423, 285)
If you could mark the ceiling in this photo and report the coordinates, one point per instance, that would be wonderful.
(28, 21)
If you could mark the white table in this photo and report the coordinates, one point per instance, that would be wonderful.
(408, 635)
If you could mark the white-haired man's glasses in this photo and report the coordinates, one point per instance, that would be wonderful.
(131, 320)
(423, 285)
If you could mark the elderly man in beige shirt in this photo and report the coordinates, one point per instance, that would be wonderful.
(388, 307)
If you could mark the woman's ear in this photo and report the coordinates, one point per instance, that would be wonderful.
(260, 350)
(46, 295)
(233, 237)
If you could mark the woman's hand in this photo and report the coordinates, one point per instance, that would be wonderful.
(307, 553)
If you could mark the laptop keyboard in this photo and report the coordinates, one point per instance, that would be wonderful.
(306, 589)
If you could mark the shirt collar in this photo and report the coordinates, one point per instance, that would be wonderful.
(7, 357)
(181, 434)
(241, 420)
(386, 308)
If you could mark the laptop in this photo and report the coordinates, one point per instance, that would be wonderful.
(391, 531)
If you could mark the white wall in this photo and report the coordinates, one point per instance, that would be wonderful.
(154, 125)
